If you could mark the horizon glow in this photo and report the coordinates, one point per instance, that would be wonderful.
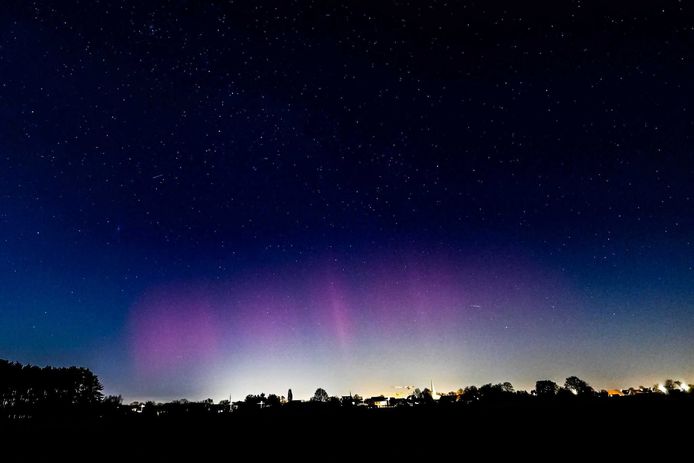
(364, 327)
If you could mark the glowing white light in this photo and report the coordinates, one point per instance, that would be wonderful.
(684, 387)
(662, 388)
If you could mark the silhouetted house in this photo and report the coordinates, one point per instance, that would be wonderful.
(238, 405)
(137, 407)
(377, 402)
(399, 402)
(636, 391)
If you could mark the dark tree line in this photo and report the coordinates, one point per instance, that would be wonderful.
(27, 390)
(572, 386)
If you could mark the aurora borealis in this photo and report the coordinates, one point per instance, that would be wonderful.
(223, 199)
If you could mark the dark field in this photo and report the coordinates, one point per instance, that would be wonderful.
(621, 427)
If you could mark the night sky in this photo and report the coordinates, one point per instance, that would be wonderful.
(205, 199)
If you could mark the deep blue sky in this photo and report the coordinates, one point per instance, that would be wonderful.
(219, 199)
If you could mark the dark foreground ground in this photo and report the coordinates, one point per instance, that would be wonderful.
(614, 429)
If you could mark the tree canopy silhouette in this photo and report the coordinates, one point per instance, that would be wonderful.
(27, 390)
(546, 388)
(320, 395)
(577, 386)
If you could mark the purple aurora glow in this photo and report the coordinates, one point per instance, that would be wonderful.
(336, 314)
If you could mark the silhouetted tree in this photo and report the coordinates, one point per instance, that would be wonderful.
(255, 400)
(448, 399)
(290, 396)
(151, 408)
(496, 392)
(676, 387)
(27, 390)
(334, 401)
(546, 388)
(114, 400)
(488, 391)
(470, 394)
(320, 395)
(273, 401)
(224, 406)
(578, 387)
(112, 405)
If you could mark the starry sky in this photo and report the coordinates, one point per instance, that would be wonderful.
(210, 199)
